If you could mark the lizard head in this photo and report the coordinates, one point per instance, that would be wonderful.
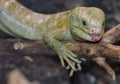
(87, 23)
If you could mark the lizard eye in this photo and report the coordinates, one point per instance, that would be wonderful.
(84, 22)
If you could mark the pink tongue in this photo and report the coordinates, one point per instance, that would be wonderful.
(95, 37)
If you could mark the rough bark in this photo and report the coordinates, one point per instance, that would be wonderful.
(104, 48)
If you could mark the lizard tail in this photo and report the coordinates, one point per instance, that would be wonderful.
(21, 13)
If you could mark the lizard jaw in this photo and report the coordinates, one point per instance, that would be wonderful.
(93, 36)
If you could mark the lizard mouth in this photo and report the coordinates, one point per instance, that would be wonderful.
(95, 37)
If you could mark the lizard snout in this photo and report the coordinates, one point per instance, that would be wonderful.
(95, 34)
(96, 30)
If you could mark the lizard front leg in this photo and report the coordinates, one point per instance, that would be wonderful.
(65, 55)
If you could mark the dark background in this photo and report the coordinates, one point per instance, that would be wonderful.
(37, 70)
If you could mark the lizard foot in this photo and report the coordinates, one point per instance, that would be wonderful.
(70, 59)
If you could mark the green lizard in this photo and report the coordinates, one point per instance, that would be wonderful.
(81, 24)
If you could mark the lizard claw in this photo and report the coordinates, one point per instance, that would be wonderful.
(69, 58)
(72, 71)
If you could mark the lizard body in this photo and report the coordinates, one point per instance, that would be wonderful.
(81, 23)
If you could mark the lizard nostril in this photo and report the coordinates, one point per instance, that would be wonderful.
(96, 30)
(92, 30)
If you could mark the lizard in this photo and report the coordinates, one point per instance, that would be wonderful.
(80, 23)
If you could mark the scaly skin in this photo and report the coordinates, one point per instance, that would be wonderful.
(81, 23)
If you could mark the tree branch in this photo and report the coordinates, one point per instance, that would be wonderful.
(104, 48)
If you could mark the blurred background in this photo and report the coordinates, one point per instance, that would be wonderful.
(47, 70)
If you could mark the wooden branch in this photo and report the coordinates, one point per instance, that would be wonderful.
(104, 48)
